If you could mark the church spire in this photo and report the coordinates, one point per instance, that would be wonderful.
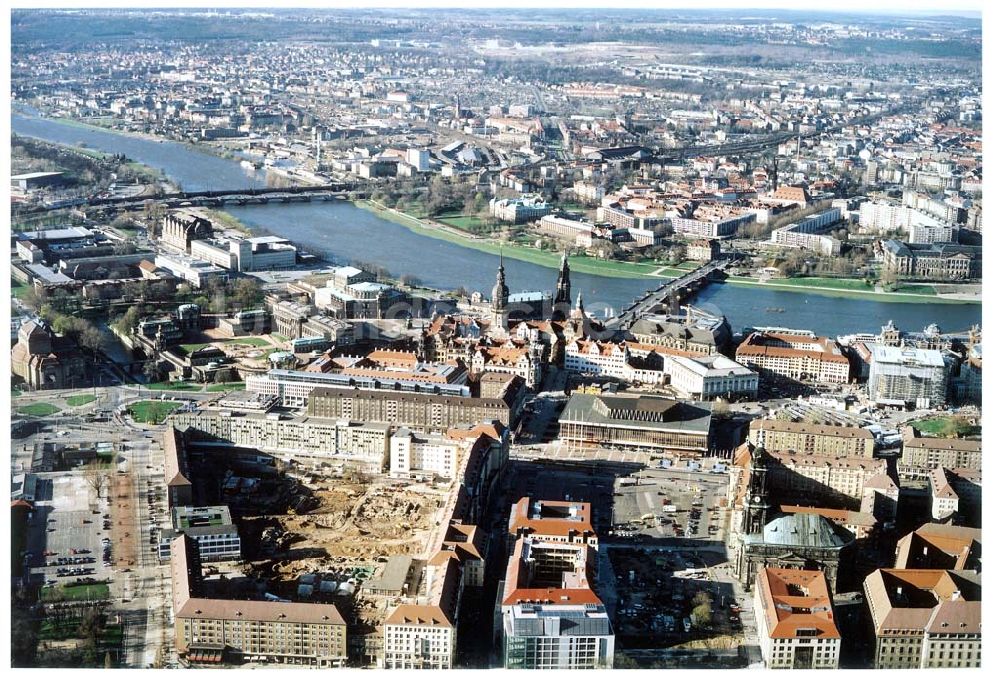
(500, 291)
(563, 297)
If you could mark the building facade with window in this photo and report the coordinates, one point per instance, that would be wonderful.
(794, 614)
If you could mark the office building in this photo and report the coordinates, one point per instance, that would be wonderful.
(212, 529)
(793, 610)
(941, 547)
(796, 357)
(926, 619)
(547, 613)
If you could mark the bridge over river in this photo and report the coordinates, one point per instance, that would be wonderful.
(672, 293)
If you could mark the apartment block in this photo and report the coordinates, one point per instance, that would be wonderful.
(830, 441)
(921, 454)
(213, 630)
(941, 547)
(411, 454)
(364, 446)
(419, 411)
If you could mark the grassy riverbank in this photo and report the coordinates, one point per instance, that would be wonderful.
(833, 287)
(850, 289)
(590, 265)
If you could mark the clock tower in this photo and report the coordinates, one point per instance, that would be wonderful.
(755, 503)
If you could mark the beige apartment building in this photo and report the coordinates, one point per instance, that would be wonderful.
(811, 473)
(419, 411)
(925, 454)
(365, 446)
(820, 440)
(212, 630)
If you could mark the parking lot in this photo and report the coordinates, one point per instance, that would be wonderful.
(668, 597)
(663, 504)
(66, 530)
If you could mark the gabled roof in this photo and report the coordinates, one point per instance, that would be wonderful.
(795, 600)
(175, 460)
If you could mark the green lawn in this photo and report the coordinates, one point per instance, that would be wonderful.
(917, 289)
(152, 411)
(191, 348)
(173, 386)
(58, 629)
(946, 427)
(228, 386)
(75, 592)
(39, 409)
(851, 284)
(845, 291)
(17, 288)
(279, 337)
(574, 206)
(466, 223)
(832, 283)
(82, 399)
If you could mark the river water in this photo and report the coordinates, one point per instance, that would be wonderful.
(344, 233)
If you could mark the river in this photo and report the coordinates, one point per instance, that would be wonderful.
(343, 233)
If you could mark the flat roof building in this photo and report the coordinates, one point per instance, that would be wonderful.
(907, 377)
(650, 423)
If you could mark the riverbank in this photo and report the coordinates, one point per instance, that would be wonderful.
(589, 265)
(618, 269)
(813, 287)
(145, 136)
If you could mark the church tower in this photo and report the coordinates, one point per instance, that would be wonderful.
(563, 298)
(755, 503)
(501, 294)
